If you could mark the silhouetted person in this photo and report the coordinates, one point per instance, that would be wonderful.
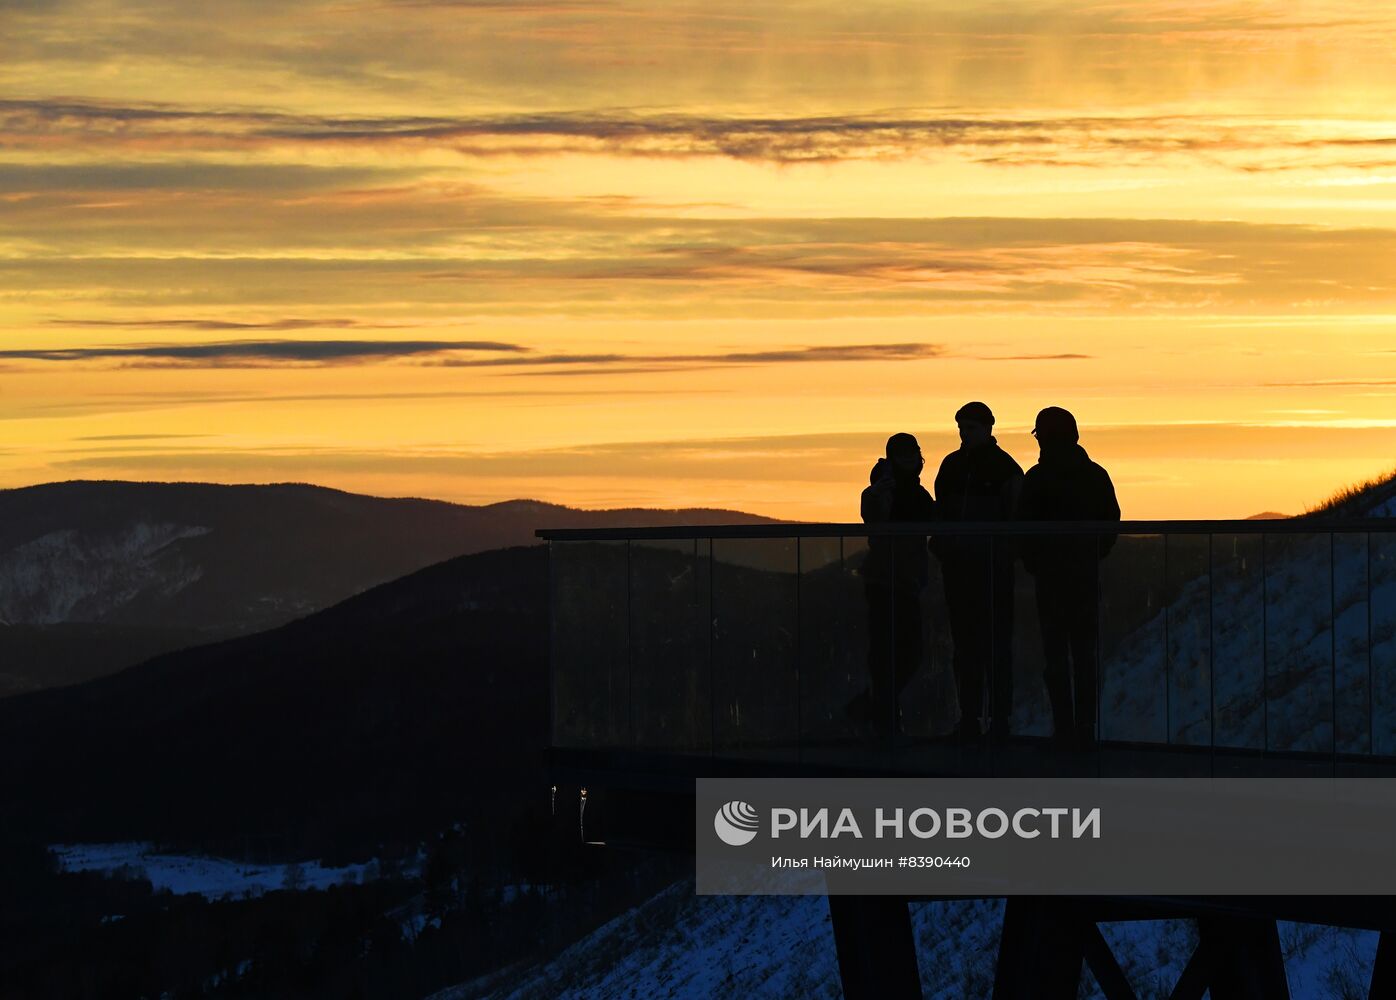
(894, 574)
(1065, 485)
(979, 482)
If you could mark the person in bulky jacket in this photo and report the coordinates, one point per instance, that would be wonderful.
(979, 482)
(1065, 485)
(894, 574)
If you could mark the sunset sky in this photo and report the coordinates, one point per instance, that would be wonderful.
(612, 253)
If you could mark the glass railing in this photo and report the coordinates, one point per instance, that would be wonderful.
(849, 644)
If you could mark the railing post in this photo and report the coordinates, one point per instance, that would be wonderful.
(1371, 677)
(552, 648)
(799, 651)
(1211, 661)
(1100, 652)
(1264, 646)
(712, 679)
(1333, 652)
(1167, 650)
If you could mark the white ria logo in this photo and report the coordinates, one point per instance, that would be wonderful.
(736, 823)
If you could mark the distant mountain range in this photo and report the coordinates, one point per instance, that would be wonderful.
(197, 555)
(96, 576)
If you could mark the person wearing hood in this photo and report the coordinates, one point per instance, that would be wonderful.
(979, 482)
(894, 574)
(1065, 485)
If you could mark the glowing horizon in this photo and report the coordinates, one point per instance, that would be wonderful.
(618, 254)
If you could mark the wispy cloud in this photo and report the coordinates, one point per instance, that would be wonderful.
(1245, 143)
(658, 362)
(257, 353)
(940, 52)
(839, 459)
(190, 174)
(1034, 357)
(252, 353)
(485, 354)
(123, 404)
(219, 325)
(640, 267)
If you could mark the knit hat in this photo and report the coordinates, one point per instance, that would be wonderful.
(976, 411)
(904, 443)
(1056, 424)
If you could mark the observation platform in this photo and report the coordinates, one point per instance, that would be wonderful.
(1225, 648)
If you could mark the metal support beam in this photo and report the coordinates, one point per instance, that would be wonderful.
(1384, 969)
(1040, 949)
(1245, 958)
(1192, 984)
(1113, 982)
(877, 954)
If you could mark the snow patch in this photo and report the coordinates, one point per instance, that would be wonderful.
(678, 945)
(72, 575)
(212, 878)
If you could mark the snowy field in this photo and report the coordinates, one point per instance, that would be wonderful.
(212, 878)
(678, 945)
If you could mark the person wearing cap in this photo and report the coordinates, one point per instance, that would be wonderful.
(979, 481)
(894, 574)
(1065, 485)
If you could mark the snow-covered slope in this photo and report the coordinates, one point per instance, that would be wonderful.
(71, 575)
(1382, 506)
(1284, 645)
(210, 877)
(678, 945)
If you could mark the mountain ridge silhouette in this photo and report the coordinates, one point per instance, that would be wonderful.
(97, 575)
(405, 707)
